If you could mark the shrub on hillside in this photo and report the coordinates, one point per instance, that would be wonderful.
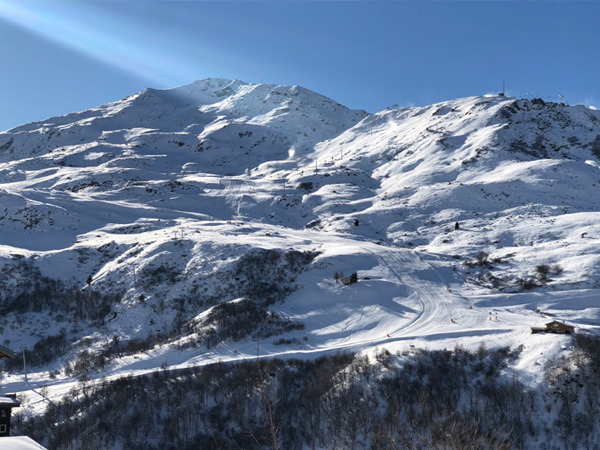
(481, 260)
(527, 284)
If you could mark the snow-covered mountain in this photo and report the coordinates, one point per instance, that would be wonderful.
(181, 226)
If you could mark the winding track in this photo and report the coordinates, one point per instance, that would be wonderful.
(439, 305)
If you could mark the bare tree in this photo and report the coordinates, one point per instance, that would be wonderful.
(268, 400)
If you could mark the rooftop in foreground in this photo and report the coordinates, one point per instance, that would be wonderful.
(19, 443)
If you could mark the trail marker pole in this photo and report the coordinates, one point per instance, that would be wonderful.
(24, 365)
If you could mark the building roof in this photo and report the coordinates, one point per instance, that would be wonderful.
(5, 352)
(562, 324)
(9, 401)
(19, 443)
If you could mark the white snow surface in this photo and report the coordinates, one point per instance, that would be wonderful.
(19, 443)
(193, 178)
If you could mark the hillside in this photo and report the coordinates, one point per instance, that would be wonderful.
(178, 228)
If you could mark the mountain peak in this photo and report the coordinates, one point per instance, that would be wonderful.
(171, 202)
(212, 88)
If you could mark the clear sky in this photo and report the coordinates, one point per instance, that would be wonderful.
(58, 57)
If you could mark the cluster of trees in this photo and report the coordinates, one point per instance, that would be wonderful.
(268, 275)
(262, 276)
(241, 319)
(35, 292)
(43, 352)
(572, 394)
(423, 399)
(265, 276)
(353, 278)
(541, 277)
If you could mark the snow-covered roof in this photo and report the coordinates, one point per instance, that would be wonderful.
(9, 401)
(19, 443)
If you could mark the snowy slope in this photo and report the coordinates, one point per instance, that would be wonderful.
(151, 217)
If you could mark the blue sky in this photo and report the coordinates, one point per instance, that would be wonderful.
(58, 57)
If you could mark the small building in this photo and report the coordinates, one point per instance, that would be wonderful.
(554, 327)
(7, 403)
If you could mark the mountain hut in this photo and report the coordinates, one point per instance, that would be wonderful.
(554, 327)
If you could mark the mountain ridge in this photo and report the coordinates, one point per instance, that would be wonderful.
(155, 215)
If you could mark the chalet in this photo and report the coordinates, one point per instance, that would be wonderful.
(7, 402)
(554, 327)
